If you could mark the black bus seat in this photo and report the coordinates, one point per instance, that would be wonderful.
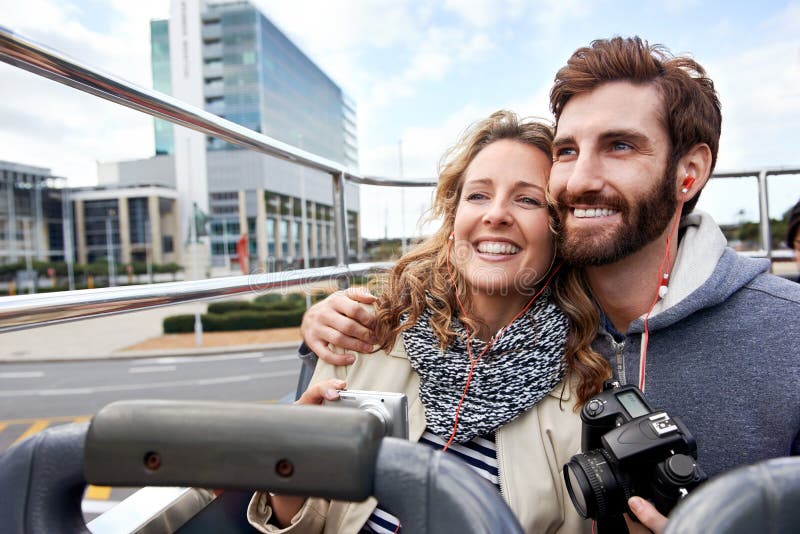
(763, 498)
(239, 447)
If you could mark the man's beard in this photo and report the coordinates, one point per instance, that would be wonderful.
(641, 224)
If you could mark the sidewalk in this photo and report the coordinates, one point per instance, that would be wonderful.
(131, 335)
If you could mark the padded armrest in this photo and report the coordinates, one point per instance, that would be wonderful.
(433, 492)
(763, 498)
(234, 446)
(43, 482)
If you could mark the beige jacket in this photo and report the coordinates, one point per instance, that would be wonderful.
(531, 451)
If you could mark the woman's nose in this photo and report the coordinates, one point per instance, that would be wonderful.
(497, 212)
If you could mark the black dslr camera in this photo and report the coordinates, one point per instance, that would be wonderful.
(629, 449)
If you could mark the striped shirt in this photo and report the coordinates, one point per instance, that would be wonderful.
(480, 454)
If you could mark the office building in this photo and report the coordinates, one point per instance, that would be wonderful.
(136, 224)
(31, 206)
(253, 75)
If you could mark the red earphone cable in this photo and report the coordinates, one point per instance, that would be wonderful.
(662, 281)
(474, 361)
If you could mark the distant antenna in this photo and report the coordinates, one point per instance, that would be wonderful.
(402, 199)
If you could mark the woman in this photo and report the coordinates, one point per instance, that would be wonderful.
(482, 333)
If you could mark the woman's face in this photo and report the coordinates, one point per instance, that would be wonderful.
(503, 243)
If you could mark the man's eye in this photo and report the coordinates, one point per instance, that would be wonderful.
(619, 145)
(564, 152)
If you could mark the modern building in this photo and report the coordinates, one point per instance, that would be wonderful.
(42, 220)
(31, 207)
(253, 75)
(135, 224)
(240, 196)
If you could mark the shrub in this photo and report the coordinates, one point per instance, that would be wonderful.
(232, 306)
(268, 298)
(232, 321)
(178, 324)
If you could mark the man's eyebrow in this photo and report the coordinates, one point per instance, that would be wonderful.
(629, 134)
(561, 141)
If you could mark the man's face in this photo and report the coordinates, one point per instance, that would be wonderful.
(610, 177)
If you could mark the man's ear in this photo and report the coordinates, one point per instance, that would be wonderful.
(696, 163)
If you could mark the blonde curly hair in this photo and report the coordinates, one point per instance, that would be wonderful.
(421, 279)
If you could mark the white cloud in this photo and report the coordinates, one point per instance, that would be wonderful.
(486, 13)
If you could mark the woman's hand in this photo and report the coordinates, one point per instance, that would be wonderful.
(284, 507)
(344, 320)
(322, 391)
(648, 515)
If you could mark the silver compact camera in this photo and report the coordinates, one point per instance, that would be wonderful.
(391, 409)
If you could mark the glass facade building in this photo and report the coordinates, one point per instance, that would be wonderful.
(162, 81)
(255, 76)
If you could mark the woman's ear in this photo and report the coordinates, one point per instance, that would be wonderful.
(696, 163)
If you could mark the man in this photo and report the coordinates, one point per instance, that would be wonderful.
(792, 237)
(707, 334)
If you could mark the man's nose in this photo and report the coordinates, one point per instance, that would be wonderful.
(586, 174)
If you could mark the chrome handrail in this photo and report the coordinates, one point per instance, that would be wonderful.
(36, 58)
(763, 205)
(26, 311)
(33, 310)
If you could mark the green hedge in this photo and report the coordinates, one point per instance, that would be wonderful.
(177, 324)
(228, 306)
(268, 298)
(243, 305)
(243, 320)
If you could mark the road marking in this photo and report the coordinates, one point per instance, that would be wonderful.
(140, 387)
(23, 374)
(37, 426)
(56, 419)
(152, 369)
(99, 493)
(267, 359)
(220, 357)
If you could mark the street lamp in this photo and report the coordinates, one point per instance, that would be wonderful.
(112, 267)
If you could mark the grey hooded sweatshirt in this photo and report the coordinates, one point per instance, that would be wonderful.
(724, 351)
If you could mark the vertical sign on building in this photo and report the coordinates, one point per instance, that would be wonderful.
(186, 63)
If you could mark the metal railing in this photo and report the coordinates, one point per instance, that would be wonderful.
(38, 59)
(36, 310)
(763, 205)
(33, 310)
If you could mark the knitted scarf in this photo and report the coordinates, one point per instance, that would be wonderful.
(517, 371)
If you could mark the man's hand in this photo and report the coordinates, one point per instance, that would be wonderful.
(647, 514)
(344, 320)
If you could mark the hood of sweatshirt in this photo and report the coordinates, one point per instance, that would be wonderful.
(706, 273)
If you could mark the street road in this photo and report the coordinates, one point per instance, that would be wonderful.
(34, 396)
(76, 389)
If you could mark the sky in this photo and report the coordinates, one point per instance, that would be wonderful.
(420, 73)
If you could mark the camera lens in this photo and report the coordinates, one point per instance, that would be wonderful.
(595, 488)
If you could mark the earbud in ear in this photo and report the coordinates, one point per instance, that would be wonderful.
(663, 289)
(688, 182)
(452, 235)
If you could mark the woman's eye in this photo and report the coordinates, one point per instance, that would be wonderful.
(476, 196)
(531, 201)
